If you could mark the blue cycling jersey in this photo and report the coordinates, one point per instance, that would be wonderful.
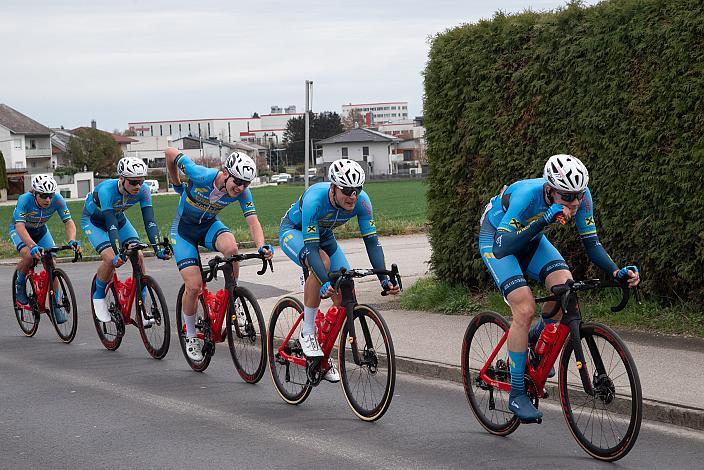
(35, 217)
(308, 225)
(200, 200)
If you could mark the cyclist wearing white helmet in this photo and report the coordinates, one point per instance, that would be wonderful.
(512, 244)
(107, 228)
(207, 192)
(306, 236)
(30, 234)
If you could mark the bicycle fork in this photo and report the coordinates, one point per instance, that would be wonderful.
(349, 301)
(573, 319)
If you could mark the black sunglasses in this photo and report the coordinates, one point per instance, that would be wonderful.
(239, 182)
(45, 195)
(351, 191)
(569, 197)
(135, 182)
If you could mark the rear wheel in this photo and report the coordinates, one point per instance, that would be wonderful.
(290, 380)
(153, 319)
(202, 331)
(369, 386)
(605, 425)
(247, 343)
(110, 333)
(489, 404)
(27, 319)
(65, 299)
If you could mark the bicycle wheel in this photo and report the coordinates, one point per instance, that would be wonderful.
(110, 333)
(247, 343)
(27, 319)
(156, 334)
(290, 380)
(66, 300)
(605, 425)
(203, 332)
(489, 405)
(369, 386)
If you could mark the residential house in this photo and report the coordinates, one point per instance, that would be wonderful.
(374, 150)
(25, 143)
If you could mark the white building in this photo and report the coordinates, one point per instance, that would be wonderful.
(24, 142)
(377, 113)
(263, 130)
(373, 150)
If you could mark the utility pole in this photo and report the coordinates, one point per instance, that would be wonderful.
(309, 85)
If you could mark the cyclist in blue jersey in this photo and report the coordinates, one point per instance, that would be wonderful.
(207, 192)
(107, 228)
(306, 236)
(31, 236)
(511, 242)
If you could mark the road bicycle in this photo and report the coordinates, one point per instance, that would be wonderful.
(367, 363)
(55, 282)
(151, 312)
(236, 309)
(598, 382)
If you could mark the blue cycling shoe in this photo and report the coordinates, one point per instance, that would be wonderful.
(21, 294)
(59, 315)
(522, 407)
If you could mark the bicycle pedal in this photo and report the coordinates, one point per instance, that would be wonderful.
(532, 421)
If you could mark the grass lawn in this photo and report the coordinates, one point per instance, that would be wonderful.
(399, 207)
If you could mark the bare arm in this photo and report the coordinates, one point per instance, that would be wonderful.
(171, 154)
(70, 228)
(255, 229)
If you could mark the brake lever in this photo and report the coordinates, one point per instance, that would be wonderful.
(624, 300)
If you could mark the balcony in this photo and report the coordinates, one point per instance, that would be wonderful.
(38, 153)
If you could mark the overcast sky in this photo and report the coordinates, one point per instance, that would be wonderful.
(67, 62)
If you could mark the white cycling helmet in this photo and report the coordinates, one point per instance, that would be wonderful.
(131, 167)
(346, 174)
(241, 166)
(44, 184)
(566, 173)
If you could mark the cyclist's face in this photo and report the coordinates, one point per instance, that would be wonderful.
(42, 200)
(346, 202)
(132, 185)
(233, 189)
(572, 205)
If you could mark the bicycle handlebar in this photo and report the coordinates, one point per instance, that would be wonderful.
(215, 264)
(128, 250)
(337, 276)
(76, 254)
(561, 290)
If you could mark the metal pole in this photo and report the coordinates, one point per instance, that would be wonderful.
(309, 83)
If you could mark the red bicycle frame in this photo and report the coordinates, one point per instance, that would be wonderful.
(40, 284)
(125, 296)
(216, 306)
(327, 344)
(539, 375)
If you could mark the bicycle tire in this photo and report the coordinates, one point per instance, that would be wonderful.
(247, 344)
(613, 397)
(181, 330)
(156, 337)
(27, 319)
(490, 328)
(108, 333)
(66, 330)
(369, 397)
(283, 316)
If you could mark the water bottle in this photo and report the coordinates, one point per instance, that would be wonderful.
(42, 279)
(127, 287)
(330, 320)
(547, 339)
(220, 299)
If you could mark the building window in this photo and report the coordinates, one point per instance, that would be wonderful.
(229, 133)
(208, 130)
(161, 130)
(151, 130)
(199, 130)
(170, 131)
(179, 130)
(344, 152)
(365, 151)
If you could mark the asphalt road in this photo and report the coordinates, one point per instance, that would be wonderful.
(81, 406)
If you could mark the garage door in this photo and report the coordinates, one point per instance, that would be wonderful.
(83, 188)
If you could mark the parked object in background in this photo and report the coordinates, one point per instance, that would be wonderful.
(153, 185)
(281, 178)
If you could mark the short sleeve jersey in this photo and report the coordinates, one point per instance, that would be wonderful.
(107, 196)
(35, 217)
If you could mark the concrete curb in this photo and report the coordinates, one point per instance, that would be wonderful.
(668, 413)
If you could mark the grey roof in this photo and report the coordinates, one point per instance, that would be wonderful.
(359, 135)
(18, 123)
(60, 138)
(207, 141)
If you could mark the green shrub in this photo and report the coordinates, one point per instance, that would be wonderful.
(619, 85)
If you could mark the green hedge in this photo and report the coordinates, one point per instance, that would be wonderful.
(619, 85)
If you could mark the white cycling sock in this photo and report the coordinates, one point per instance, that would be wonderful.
(309, 320)
(190, 321)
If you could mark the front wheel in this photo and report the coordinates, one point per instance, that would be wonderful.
(290, 379)
(27, 319)
(369, 385)
(64, 299)
(153, 319)
(202, 332)
(110, 333)
(606, 425)
(489, 404)
(246, 335)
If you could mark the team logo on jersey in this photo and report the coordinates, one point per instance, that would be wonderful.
(372, 223)
(249, 204)
(23, 215)
(515, 223)
(67, 212)
(311, 229)
(589, 220)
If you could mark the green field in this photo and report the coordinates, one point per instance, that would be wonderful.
(399, 207)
